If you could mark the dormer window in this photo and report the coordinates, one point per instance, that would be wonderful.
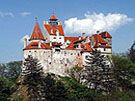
(51, 30)
(57, 32)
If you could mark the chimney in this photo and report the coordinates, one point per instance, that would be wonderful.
(84, 35)
(25, 42)
(39, 44)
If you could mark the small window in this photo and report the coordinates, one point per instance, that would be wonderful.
(34, 45)
(54, 37)
(104, 49)
(68, 43)
(29, 51)
(35, 51)
(60, 38)
(71, 53)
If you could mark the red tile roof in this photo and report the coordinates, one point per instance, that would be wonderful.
(37, 34)
(87, 48)
(105, 46)
(53, 17)
(72, 39)
(99, 39)
(105, 35)
(58, 27)
(71, 47)
(34, 45)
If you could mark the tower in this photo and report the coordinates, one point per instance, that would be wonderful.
(53, 30)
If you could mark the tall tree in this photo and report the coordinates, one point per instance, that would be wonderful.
(33, 78)
(2, 70)
(97, 74)
(54, 89)
(13, 70)
(131, 53)
(124, 71)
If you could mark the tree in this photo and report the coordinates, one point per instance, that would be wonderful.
(97, 74)
(131, 53)
(33, 78)
(54, 89)
(13, 70)
(5, 90)
(124, 71)
(2, 70)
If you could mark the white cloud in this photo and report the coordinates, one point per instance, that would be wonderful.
(3, 14)
(95, 22)
(25, 13)
(22, 39)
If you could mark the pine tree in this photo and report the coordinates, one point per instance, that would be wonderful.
(97, 74)
(33, 78)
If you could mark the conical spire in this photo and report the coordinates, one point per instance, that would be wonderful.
(53, 17)
(37, 34)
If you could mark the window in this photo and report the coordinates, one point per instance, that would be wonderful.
(34, 45)
(57, 50)
(103, 43)
(104, 49)
(60, 38)
(71, 53)
(54, 37)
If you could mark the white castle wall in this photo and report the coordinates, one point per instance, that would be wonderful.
(54, 61)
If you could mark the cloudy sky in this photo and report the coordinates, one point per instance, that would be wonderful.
(17, 19)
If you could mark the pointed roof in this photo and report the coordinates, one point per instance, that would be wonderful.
(105, 35)
(53, 17)
(37, 34)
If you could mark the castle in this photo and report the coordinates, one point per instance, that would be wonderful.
(58, 53)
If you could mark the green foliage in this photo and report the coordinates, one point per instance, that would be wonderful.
(5, 89)
(79, 92)
(33, 78)
(124, 71)
(54, 89)
(2, 70)
(128, 95)
(74, 72)
(131, 53)
(13, 70)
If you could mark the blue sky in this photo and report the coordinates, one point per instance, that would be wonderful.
(17, 19)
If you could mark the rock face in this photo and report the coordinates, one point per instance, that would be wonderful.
(22, 92)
